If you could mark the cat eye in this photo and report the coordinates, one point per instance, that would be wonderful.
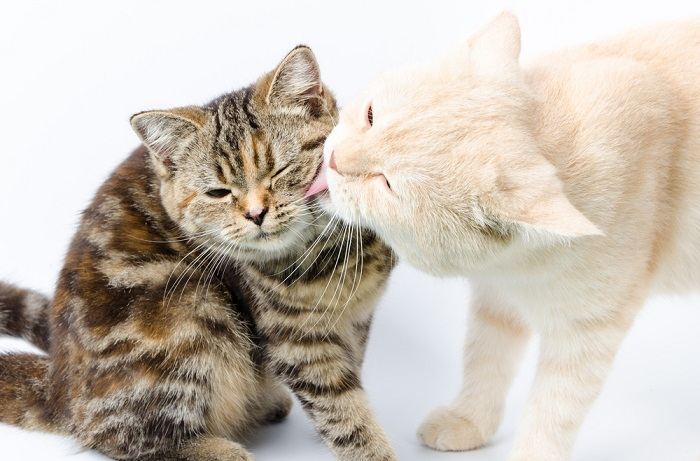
(218, 193)
(370, 115)
(279, 172)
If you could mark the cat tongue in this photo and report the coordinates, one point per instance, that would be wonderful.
(319, 185)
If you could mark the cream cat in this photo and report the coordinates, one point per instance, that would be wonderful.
(567, 191)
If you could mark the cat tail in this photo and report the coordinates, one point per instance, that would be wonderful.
(24, 378)
(25, 314)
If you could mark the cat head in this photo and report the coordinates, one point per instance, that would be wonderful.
(441, 160)
(233, 173)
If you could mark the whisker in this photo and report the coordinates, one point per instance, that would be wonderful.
(341, 282)
(340, 251)
(191, 267)
(354, 288)
(183, 238)
(212, 259)
(167, 283)
(303, 255)
(330, 279)
(318, 255)
(224, 257)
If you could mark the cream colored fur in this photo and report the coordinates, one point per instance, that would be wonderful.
(567, 191)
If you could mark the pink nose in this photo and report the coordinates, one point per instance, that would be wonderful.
(257, 215)
(331, 162)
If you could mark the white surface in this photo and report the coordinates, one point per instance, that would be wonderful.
(71, 73)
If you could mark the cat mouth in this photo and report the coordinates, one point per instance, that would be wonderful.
(267, 235)
(319, 183)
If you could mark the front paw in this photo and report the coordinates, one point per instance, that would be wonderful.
(445, 430)
(211, 449)
(279, 410)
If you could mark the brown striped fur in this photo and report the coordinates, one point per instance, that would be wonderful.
(177, 320)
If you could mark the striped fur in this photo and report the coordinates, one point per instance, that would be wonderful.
(179, 323)
(23, 313)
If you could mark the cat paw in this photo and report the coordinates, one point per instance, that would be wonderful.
(279, 410)
(239, 455)
(213, 449)
(445, 430)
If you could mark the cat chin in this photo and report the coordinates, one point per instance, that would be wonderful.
(268, 248)
(275, 246)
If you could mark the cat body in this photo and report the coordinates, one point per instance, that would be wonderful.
(201, 285)
(566, 190)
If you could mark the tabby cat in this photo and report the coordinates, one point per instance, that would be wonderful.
(201, 280)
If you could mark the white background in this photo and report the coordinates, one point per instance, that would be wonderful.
(72, 72)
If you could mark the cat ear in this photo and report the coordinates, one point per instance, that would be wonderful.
(495, 50)
(163, 132)
(538, 207)
(556, 216)
(297, 79)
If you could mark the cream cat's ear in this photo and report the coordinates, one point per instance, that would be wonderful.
(494, 51)
(297, 79)
(556, 216)
(163, 132)
(535, 203)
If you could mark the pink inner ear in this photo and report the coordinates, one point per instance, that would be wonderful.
(319, 184)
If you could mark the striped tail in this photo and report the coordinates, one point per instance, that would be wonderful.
(24, 313)
(24, 377)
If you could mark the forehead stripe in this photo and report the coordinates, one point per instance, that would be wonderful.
(269, 157)
(313, 143)
(256, 151)
(217, 125)
(252, 120)
(220, 175)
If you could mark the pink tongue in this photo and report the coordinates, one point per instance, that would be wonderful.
(319, 185)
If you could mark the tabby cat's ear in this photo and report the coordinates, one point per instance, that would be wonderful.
(297, 79)
(164, 132)
(495, 50)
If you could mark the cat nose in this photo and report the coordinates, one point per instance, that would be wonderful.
(256, 215)
(331, 162)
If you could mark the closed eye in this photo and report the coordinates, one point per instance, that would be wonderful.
(280, 171)
(218, 193)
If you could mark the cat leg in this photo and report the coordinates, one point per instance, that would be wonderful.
(362, 331)
(322, 372)
(574, 362)
(160, 431)
(493, 348)
(142, 403)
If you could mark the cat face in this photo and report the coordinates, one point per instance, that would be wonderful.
(443, 163)
(234, 173)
